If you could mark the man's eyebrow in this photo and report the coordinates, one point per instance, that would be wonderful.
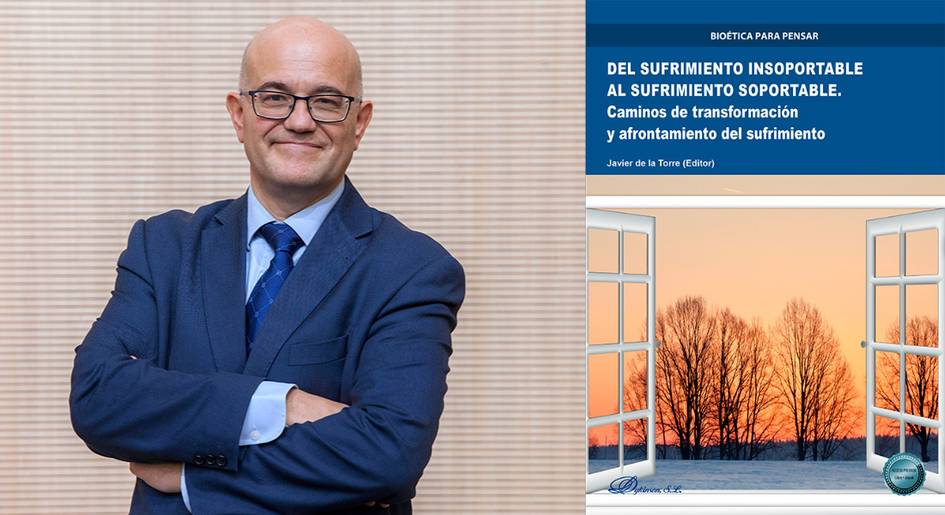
(281, 86)
(273, 84)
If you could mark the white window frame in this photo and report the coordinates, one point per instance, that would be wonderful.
(694, 502)
(623, 223)
(899, 225)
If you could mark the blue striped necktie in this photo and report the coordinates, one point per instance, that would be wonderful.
(285, 242)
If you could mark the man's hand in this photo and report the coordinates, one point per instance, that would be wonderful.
(306, 407)
(163, 477)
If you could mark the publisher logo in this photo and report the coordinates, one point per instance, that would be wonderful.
(904, 473)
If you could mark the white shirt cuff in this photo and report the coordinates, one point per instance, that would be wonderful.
(183, 486)
(265, 418)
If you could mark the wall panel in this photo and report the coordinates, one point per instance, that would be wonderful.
(113, 111)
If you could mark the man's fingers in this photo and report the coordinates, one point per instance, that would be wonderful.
(164, 477)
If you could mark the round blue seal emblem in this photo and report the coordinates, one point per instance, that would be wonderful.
(904, 473)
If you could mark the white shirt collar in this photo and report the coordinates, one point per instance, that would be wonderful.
(305, 223)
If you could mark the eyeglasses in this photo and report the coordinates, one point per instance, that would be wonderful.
(277, 105)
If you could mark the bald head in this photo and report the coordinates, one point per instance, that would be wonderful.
(296, 157)
(298, 38)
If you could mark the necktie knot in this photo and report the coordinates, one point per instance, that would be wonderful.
(281, 237)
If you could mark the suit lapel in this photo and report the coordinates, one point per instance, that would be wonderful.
(332, 251)
(223, 263)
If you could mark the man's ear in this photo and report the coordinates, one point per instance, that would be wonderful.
(365, 113)
(235, 108)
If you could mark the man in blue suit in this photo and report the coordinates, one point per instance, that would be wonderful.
(286, 351)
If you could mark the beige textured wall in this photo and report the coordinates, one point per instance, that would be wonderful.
(113, 111)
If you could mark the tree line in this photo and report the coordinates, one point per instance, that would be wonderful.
(730, 388)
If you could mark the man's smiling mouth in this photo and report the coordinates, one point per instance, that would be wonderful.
(297, 144)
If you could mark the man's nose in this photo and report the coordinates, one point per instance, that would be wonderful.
(299, 119)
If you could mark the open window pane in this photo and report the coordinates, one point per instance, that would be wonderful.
(922, 315)
(634, 441)
(922, 386)
(634, 253)
(887, 380)
(634, 381)
(602, 251)
(602, 311)
(634, 312)
(906, 310)
(922, 252)
(602, 448)
(887, 314)
(887, 436)
(887, 255)
(601, 385)
(619, 296)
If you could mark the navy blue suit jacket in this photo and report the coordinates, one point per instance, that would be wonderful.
(364, 318)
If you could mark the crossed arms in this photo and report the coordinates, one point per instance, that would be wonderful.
(298, 407)
(374, 450)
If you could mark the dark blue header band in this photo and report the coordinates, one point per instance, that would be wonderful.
(714, 87)
(797, 35)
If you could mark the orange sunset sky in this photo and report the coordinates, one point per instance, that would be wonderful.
(754, 261)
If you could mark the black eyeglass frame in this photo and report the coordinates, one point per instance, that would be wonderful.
(295, 98)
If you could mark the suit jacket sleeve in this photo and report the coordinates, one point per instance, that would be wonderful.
(374, 450)
(126, 407)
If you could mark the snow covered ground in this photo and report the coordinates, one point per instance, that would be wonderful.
(764, 475)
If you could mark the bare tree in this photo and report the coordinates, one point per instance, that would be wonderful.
(635, 396)
(743, 398)
(634, 440)
(731, 333)
(813, 380)
(834, 412)
(714, 384)
(921, 393)
(686, 331)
